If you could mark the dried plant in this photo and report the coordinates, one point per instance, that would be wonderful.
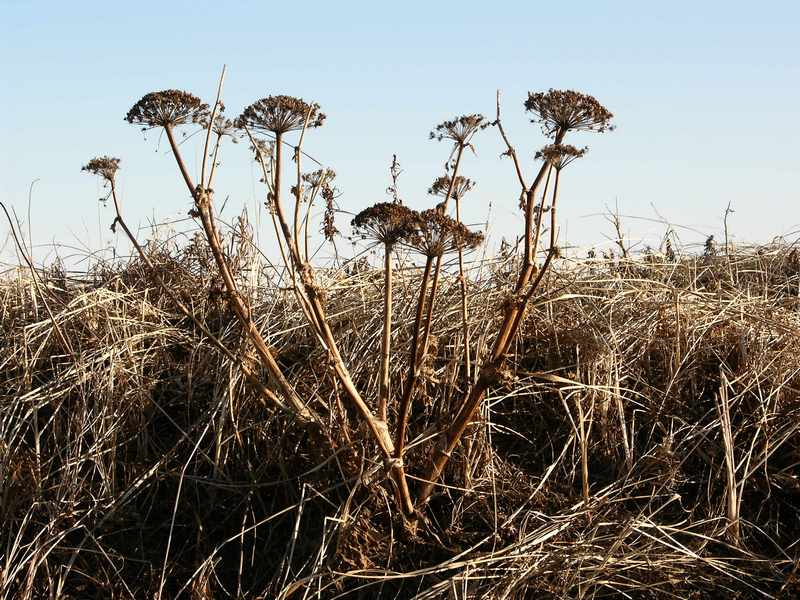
(168, 108)
(281, 114)
(432, 233)
(560, 111)
(460, 130)
(105, 167)
(459, 188)
(560, 155)
(386, 223)
(172, 108)
(435, 234)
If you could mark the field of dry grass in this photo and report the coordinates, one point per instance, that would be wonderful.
(643, 441)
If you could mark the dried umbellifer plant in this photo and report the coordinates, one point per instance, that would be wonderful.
(387, 223)
(559, 112)
(431, 233)
(279, 115)
(434, 235)
(460, 131)
(459, 187)
(167, 110)
(106, 168)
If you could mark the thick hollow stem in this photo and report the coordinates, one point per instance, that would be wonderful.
(386, 341)
(413, 369)
(464, 314)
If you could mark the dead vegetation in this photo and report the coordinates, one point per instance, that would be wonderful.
(643, 440)
(197, 422)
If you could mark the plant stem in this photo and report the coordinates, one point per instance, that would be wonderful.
(512, 318)
(202, 201)
(383, 392)
(413, 362)
(464, 315)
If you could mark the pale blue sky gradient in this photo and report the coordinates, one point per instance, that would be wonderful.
(706, 97)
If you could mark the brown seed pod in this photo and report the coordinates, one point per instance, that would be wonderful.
(461, 186)
(560, 155)
(460, 130)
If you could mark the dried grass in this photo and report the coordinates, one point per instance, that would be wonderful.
(644, 442)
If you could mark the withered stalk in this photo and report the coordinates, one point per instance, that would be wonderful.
(203, 203)
(377, 426)
(512, 318)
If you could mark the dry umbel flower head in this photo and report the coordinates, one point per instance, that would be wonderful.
(168, 108)
(460, 130)
(319, 177)
(560, 155)
(103, 166)
(224, 127)
(385, 222)
(441, 184)
(280, 114)
(560, 111)
(436, 234)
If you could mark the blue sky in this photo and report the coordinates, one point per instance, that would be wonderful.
(706, 97)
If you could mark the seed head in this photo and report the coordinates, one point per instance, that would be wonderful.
(461, 186)
(224, 127)
(385, 222)
(460, 130)
(560, 155)
(280, 114)
(319, 177)
(329, 216)
(168, 108)
(436, 234)
(560, 111)
(103, 166)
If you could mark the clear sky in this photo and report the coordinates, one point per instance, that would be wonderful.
(706, 97)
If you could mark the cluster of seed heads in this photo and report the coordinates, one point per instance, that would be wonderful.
(385, 222)
(429, 232)
(560, 111)
(168, 108)
(435, 234)
(461, 186)
(560, 155)
(280, 114)
(460, 130)
(103, 166)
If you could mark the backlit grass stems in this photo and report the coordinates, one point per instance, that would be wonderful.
(279, 120)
